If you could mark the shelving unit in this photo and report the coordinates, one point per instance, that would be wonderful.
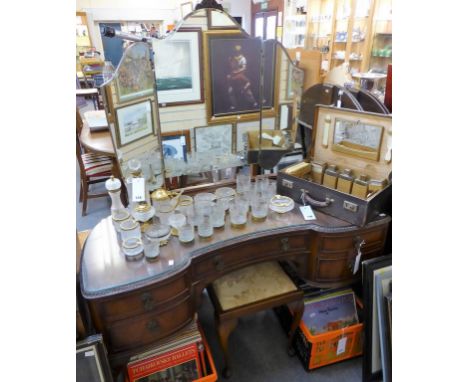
(380, 54)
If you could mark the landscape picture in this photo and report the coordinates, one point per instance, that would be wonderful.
(134, 122)
(135, 78)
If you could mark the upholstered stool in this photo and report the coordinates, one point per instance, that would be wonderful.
(251, 290)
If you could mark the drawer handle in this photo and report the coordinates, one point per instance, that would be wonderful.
(218, 263)
(152, 325)
(285, 244)
(148, 302)
(358, 244)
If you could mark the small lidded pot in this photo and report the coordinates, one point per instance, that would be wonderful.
(118, 217)
(133, 248)
(130, 229)
(360, 187)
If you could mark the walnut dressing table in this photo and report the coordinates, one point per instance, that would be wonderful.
(134, 304)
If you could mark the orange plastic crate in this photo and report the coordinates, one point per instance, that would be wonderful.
(323, 347)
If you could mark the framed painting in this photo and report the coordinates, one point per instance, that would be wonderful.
(134, 76)
(295, 82)
(91, 360)
(178, 68)
(186, 8)
(176, 144)
(133, 122)
(214, 139)
(221, 20)
(372, 360)
(233, 67)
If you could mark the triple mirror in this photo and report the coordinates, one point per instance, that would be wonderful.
(206, 97)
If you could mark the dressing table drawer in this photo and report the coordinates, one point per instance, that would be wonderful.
(251, 252)
(146, 328)
(144, 300)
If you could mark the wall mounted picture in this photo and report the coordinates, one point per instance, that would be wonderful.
(295, 82)
(233, 71)
(176, 144)
(133, 122)
(178, 68)
(134, 76)
(186, 8)
(215, 139)
(220, 20)
(243, 128)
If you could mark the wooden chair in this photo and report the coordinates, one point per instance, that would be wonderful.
(251, 290)
(94, 168)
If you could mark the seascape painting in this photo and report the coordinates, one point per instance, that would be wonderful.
(178, 68)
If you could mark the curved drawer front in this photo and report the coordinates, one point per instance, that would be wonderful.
(145, 300)
(147, 328)
(335, 256)
(250, 251)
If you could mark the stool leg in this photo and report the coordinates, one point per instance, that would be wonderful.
(298, 308)
(225, 328)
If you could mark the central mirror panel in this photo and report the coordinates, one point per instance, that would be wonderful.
(225, 99)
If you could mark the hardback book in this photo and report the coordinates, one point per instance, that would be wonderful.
(96, 120)
(330, 312)
(188, 335)
(181, 364)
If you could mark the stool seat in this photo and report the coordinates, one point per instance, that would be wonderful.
(251, 290)
(252, 284)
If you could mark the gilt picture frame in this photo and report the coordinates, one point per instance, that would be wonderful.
(176, 144)
(232, 77)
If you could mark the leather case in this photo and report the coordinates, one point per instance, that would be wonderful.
(377, 165)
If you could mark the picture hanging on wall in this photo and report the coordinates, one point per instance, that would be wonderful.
(215, 139)
(178, 68)
(133, 122)
(176, 144)
(233, 76)
(220, 20)
(134, 76)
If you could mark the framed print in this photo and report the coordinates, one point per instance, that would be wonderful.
(372, 361)
(220, 20)
(176, 144)
(233, 77)
(295, 82)
(285, 119)
(215, 139)
(178, 67)
(133, 122)
(382, 288)
(243, 128)
(186, 8)
(134, 76)
(91, 360)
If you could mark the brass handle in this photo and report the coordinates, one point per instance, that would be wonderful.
(285, 244)
(152, 325)
(148, 302)
(218, 263)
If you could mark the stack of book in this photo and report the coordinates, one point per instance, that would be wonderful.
(178, 358)
(329, 312)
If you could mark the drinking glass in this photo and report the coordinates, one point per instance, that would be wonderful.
(243, 183)
(177, 220)
(259, 208)
(151, 249)
(218, 214)
(238, 213)
(186, 233)
(205, 227)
